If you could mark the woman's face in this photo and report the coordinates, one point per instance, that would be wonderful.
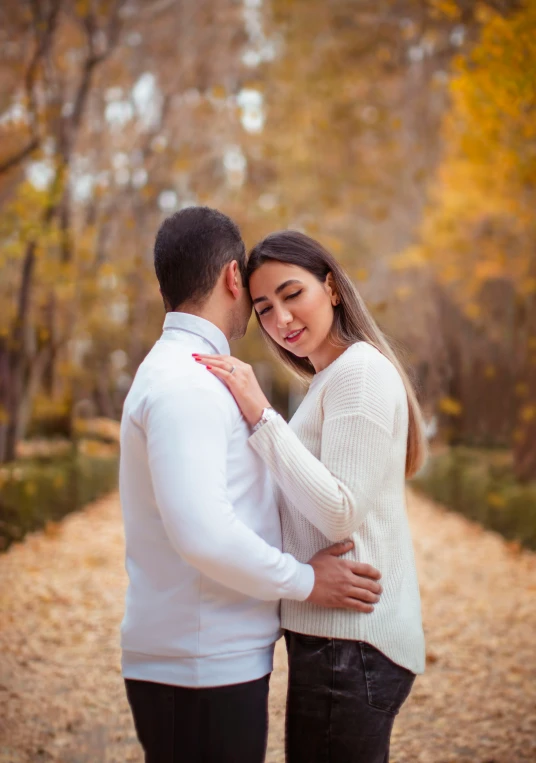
(295, 309)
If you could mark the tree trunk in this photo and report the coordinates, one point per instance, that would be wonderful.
(33, 382)
(4, 391)
(18, 356)
(103, 396)
(21, 377)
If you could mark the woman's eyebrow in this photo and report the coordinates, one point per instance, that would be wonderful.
(278, 290)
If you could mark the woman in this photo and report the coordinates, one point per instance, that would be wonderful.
(341, 466)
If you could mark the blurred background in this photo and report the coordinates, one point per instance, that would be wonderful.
(401, 134)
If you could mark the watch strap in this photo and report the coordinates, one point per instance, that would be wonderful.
(267, 414)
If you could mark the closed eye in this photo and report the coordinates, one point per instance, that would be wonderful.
(289, 296)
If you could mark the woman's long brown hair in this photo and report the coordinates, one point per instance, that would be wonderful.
(352, 322)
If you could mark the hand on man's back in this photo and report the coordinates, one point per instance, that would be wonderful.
(343, 583)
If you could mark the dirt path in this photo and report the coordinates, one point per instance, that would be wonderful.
(61, 694)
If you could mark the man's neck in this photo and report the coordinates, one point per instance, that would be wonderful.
(211, 315)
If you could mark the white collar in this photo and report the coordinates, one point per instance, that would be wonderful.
(193, 324)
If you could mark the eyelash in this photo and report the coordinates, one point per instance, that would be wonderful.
(290, 296)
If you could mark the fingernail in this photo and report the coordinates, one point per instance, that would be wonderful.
(208, 368)
(195, 354)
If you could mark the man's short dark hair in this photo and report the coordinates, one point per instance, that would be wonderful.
(191, 249)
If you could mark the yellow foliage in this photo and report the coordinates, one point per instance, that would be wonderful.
(527, 286)
(480, 223)
(528, 413)
(83, 7)
(45, 406)
(521, 389)
(107, 269)
(496, 500)
(403, 292)
(450, 406)
(104, 429)
(518, 436)
(219, 92)
(58, 481)
(448, 8)
(333, 244)
(30, 488)
(472, 310)
(488, 269)
(412, 257)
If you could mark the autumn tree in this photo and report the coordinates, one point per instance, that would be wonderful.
(479, 233)
(47, 41)
(115, 114)
(353, 95)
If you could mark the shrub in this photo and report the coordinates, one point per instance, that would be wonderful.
(481, 485)
(36, 491)
(50, 418)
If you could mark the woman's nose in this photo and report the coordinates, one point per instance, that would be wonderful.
(283, 318)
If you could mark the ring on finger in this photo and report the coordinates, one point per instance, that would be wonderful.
(232, 370)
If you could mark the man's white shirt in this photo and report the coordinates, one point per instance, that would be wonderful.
(202, 529)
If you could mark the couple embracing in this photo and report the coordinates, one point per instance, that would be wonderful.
(239, 524)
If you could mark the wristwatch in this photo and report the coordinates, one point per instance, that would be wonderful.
(267, 415)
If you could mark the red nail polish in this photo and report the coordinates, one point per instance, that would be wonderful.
(208, 368)
(195, 354)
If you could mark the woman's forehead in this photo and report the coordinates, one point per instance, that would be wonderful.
(270, 275)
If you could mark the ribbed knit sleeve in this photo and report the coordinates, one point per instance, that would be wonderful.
(356, 413)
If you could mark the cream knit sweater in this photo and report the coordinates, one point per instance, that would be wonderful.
(340, 469)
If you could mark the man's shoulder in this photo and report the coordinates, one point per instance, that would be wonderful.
(169, 375)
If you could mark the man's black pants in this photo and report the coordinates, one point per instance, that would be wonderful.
(222, 724)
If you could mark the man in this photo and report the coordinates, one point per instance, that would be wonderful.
(202, 529)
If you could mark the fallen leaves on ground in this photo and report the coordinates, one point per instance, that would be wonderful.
(61, 602)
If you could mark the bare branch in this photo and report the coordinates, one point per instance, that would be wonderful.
(19, 157)
(43, 43)
(93, 60)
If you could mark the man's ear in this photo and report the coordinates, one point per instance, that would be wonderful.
(233, 279)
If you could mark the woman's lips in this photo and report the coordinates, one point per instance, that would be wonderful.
(294, 337)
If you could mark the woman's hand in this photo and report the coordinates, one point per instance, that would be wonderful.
(241, 381)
